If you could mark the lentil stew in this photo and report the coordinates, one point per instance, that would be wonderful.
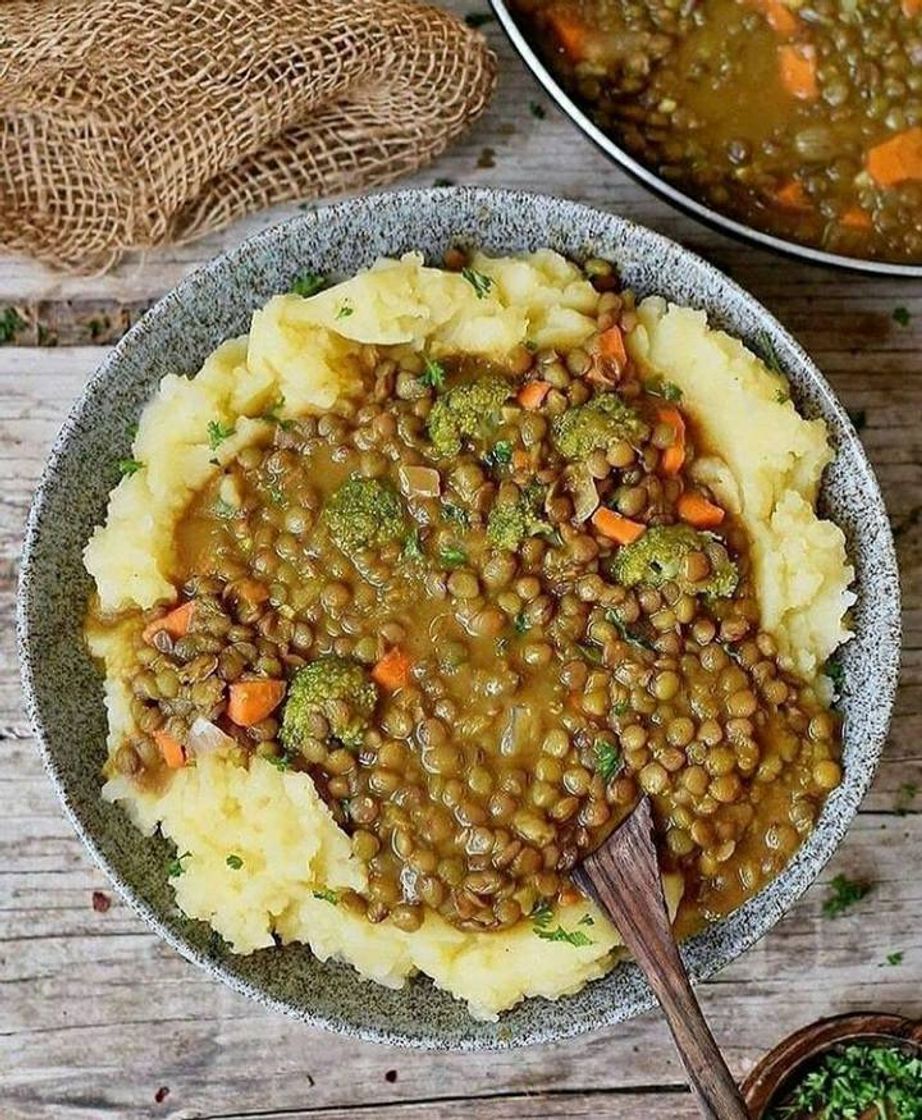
(484, 607)
(801, 118)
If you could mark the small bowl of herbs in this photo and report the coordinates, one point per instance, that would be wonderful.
(862, 1066)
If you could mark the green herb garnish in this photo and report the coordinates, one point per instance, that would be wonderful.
(234, 862)
(541, 926)
(433, 375)
(668, 390)
(609, 760)
(768, 354)
(480, 283)
(857, 1081)
(499, 455)
(835, 671)
(218, 433)
(412, 547)
(901, 315)
(781, 397)
(541, 913)
(345, 310)
(892, 959)
(271, 415)
(452, 556)
(905, 796)
(844, 894)
(326, 895)
(279, 761)
(175, 868)
(128, 467)
(521, 624)
(457, 514)
(224, 509)
(10, 322)
(309, 284)
(626, 634)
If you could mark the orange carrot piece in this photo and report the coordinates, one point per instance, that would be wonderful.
(170, 748)
(393, 670)
(797, 66)
(855, 218)
(176, 622)
(696, 510)
(780, 18)
(251, 701)
(673, 458)
(532, 394)
(792, 196)
(571, 35)
(611, 346)
(618, 528)
(898, 159)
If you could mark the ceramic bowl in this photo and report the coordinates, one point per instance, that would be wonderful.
(667, 190)
(64, 691)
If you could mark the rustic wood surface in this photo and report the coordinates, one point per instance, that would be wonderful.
(99, 1019)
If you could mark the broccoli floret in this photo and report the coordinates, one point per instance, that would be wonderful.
(339, 690)
(659, 556)
(510, 523)
(364, 512)
(466, 411)
(594, 426)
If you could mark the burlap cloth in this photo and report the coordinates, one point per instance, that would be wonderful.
(127, 124)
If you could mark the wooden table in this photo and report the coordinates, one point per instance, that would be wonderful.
(99, 1019)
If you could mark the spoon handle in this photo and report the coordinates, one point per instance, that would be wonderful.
(623, 876)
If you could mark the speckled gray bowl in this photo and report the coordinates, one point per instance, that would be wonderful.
(64, 692)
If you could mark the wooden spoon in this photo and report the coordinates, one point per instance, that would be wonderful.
(623, 876)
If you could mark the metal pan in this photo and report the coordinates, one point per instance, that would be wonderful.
(667, 191)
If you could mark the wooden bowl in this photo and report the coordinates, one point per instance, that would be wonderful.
(778, 1070)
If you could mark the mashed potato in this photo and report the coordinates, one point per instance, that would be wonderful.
(289, 859)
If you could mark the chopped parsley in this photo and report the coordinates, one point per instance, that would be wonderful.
(521, 624)
(668, 390)
(326, 895)
(224, 509)
(768, 354)
(541, 926)
(271, 415)
(452, 556)
(863, 1079)
(10, 322)
(345, 310)
(412, 547)
(218, 433)
(309, 284)
(480, 283)
(537, 110)
(609, 761)
(478, 19)
(892, 960)
(844, 893)
(499, 455)
(781, 397)
(234, 862)
(621, 708)
(433, 375)
(279, 761)
(457, 514)
(586, 920)
(175, 868)
(905, 796)
(836, 673)
(128, 467)
(901, 315)
(626, 634)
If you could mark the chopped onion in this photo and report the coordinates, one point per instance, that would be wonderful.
(581, 486)
(420, 482)
(205, 738)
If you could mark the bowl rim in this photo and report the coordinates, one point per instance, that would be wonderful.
(749, 922)
(678, 199)
(761, 1087)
